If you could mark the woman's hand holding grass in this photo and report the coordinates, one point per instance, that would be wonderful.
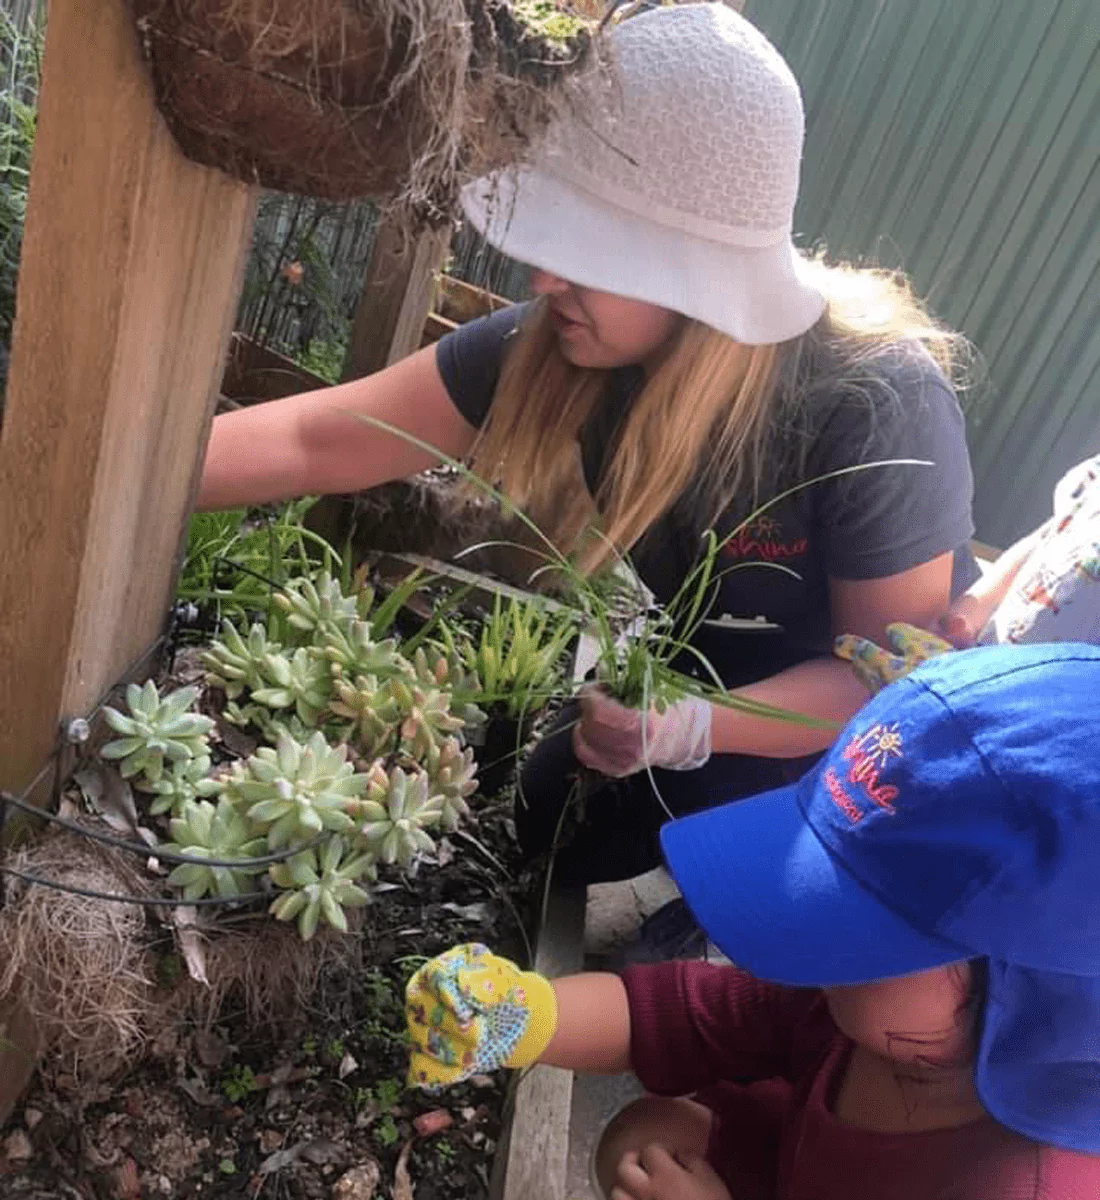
(619, 741)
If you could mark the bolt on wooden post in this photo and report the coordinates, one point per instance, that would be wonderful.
(129, 280)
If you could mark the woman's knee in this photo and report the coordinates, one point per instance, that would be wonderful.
(680, 1126)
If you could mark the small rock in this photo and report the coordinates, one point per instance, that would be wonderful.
(348, 1065)
(360, 1183)
(32, 1117)
(430, 1123)
(17, 1147)
(211, 1050)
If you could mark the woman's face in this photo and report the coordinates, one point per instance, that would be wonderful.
(598, 329)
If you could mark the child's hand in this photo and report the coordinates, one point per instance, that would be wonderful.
(656, 1175)
(470, 1012)
(610, 739)
(876, 667)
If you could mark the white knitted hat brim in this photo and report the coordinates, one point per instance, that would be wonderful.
(756, 295)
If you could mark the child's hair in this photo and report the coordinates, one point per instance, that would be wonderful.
(711, 399)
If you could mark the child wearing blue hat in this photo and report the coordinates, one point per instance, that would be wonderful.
(915, 1013)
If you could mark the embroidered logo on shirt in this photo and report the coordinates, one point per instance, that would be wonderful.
(869, 755)
(763, 540)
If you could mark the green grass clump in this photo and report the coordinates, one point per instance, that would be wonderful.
(545, 19)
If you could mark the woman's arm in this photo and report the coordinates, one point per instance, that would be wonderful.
(313, 444)
(826, 687)
(593, 1031)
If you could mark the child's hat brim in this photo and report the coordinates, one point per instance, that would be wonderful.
(779, 905)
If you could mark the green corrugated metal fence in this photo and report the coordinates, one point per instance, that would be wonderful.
(960, 139)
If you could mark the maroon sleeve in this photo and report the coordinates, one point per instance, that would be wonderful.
(695, 1024)
(1067, 1175)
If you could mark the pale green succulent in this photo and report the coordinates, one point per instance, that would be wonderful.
(319, 607)
(300, 682)
(182, 783)
(297, 790)
(203, 831)
(156, 731)
(355, 651)
(452, 776)
(426, 718)
(393, 818)
(321, 884)
(435, 669)
(235, 663)
(372, 712)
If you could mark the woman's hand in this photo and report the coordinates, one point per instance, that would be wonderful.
(619, 741)
(657, 1175)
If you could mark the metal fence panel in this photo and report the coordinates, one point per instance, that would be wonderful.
(962, 142)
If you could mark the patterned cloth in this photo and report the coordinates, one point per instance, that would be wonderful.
(470, 1012)
(876, 667)
(1056, 595)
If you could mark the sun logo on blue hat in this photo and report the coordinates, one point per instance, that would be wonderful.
(881, 743)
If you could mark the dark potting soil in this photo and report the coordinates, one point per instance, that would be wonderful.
(304, 1113)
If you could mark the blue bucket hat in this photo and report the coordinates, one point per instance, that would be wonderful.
(956, 817)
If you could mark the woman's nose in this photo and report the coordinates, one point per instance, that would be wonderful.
(545, 284)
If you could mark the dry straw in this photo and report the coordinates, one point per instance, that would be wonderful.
(400, 99)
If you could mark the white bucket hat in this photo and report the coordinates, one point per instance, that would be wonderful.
(672, 180)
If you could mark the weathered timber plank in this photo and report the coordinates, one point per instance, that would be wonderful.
(532, 1162)
(130, 273)
(397, 297)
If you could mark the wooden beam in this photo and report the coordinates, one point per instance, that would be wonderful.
(397, 297)
(533, 1158)
(131, 267)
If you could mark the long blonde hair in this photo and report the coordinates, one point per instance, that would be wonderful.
(711, 403)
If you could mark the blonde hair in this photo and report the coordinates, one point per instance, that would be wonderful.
(712, 404)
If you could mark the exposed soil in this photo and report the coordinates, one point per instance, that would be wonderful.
(312, 1111)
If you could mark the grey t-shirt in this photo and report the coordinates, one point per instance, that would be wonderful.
(865, 525)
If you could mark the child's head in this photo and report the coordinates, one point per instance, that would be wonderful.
(928, 1018)
(955, 821)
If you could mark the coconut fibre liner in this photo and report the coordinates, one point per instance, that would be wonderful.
(397, 99)
(89, 972)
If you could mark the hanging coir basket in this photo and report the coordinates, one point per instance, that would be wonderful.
(403, 99)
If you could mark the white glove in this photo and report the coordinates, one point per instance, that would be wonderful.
(609, 737)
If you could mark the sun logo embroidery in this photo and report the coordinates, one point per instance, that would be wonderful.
(870, 754)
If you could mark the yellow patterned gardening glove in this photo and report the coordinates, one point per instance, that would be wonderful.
(470, 1012)
(876, 667)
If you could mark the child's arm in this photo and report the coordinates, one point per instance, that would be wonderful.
(967, 616)
(593, 1032)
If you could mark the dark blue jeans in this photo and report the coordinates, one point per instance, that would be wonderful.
(607, 829)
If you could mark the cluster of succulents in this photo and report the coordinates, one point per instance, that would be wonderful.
(366, 761)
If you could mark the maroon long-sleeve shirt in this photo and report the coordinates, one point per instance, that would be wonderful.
(768, 1062)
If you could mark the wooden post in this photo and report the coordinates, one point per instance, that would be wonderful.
(130, 273)
(397, 297)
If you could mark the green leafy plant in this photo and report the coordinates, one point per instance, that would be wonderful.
(238, 1083)
(296, 791)
(222, 833)
(155, 731)
(393, 819)
(321, 884)
(386, 1131)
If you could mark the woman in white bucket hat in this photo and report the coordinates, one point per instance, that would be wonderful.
(684, 357)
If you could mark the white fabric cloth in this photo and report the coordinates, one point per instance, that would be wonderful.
(671, 177)
(1056, 594)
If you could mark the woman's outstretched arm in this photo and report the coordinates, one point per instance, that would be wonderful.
(313, 444)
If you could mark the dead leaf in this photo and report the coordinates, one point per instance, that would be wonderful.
(445, 853)
(360, 1183)
(108, 794)
(128, 1180)
(348, 1065)
(480, 913)
(236, 740)
(18, 1148)
(184, 920)
(323, 1153)
(402, 1181)
(211, 1049)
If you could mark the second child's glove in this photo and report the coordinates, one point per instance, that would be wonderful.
(609, 736)
(876, 667)
(470, 1012)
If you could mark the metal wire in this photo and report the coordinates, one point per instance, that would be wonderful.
(159, 901)
(146, 851)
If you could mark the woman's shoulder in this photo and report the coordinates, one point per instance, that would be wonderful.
(469, 360)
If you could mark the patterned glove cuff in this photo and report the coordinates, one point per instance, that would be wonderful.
(542, 1004)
